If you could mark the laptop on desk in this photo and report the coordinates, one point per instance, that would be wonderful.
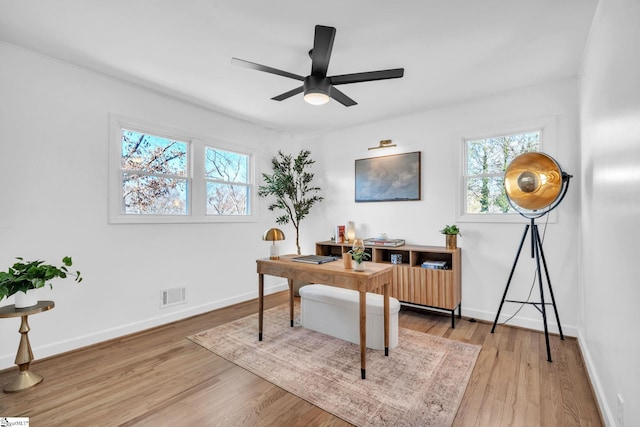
(314, 259)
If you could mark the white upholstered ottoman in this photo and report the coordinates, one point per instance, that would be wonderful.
(336, 312)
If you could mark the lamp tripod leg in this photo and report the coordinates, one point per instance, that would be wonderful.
(546, 271)
(538, 245)
(538, 253)
(506, 289)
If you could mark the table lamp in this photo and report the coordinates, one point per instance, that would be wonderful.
(273, 234)
(351, 231)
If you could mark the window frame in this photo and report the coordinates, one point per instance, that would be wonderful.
(547, 128)
(196, 182)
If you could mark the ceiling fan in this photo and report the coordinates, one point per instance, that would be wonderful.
(317, 87)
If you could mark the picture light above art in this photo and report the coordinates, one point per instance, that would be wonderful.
(385, 143)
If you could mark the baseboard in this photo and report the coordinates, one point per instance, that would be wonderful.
(42, 351)
(605, 410)
(524, 322)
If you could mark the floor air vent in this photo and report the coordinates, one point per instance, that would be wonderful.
(175, 296)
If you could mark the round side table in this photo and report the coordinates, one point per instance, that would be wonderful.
(24, 357)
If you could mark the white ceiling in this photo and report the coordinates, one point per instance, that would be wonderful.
(452, 50)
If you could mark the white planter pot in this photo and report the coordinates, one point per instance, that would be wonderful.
(26, 300)
(358, 266)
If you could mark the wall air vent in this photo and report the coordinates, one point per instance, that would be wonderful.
(175, 296)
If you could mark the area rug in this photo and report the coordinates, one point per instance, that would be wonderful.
(420, 383)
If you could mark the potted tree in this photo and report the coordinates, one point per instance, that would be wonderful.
(451, 232)
(23, 277)
(291, 184)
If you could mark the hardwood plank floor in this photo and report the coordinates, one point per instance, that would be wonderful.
(158, 377)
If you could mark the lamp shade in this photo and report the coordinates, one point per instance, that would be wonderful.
(534, 181)
(273, 234)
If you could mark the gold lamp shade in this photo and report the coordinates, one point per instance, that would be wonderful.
(273, 234)
(533, 181)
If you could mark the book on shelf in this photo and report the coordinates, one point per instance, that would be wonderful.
(376, 241)
(437, 265)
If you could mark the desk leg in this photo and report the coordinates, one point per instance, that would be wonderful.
(363, 334)
(386, 319)
(260, 304)
(25, 378)
(291, 300)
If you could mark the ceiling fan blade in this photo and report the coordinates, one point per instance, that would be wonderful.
(367, 77)
(288, 94)
(321, 53)
(254, 66)
(342, 98)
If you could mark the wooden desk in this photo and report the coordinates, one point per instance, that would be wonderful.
(374, 277)
(24, 357)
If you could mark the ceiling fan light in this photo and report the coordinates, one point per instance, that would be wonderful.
(316, 90)
(316, 98)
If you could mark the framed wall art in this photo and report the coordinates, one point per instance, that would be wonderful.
(388, 178)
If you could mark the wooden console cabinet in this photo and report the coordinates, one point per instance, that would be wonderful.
(411, 283)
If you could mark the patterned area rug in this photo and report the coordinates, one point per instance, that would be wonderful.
(420, 383)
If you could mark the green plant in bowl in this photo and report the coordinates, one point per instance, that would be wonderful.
(25, 275)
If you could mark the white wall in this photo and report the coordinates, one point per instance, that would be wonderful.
(53, 193)
(610, 126)
(488, 249)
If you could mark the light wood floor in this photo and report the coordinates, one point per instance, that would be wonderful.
(159, 378)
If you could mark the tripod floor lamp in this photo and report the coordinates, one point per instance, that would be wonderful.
(535, 184)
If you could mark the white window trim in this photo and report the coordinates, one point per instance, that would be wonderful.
(196, 196)
(548, 145)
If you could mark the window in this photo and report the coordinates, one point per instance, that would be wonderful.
(154, 175)
(483, 161)
(228, 187)
(159, 175)
(486, 162)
